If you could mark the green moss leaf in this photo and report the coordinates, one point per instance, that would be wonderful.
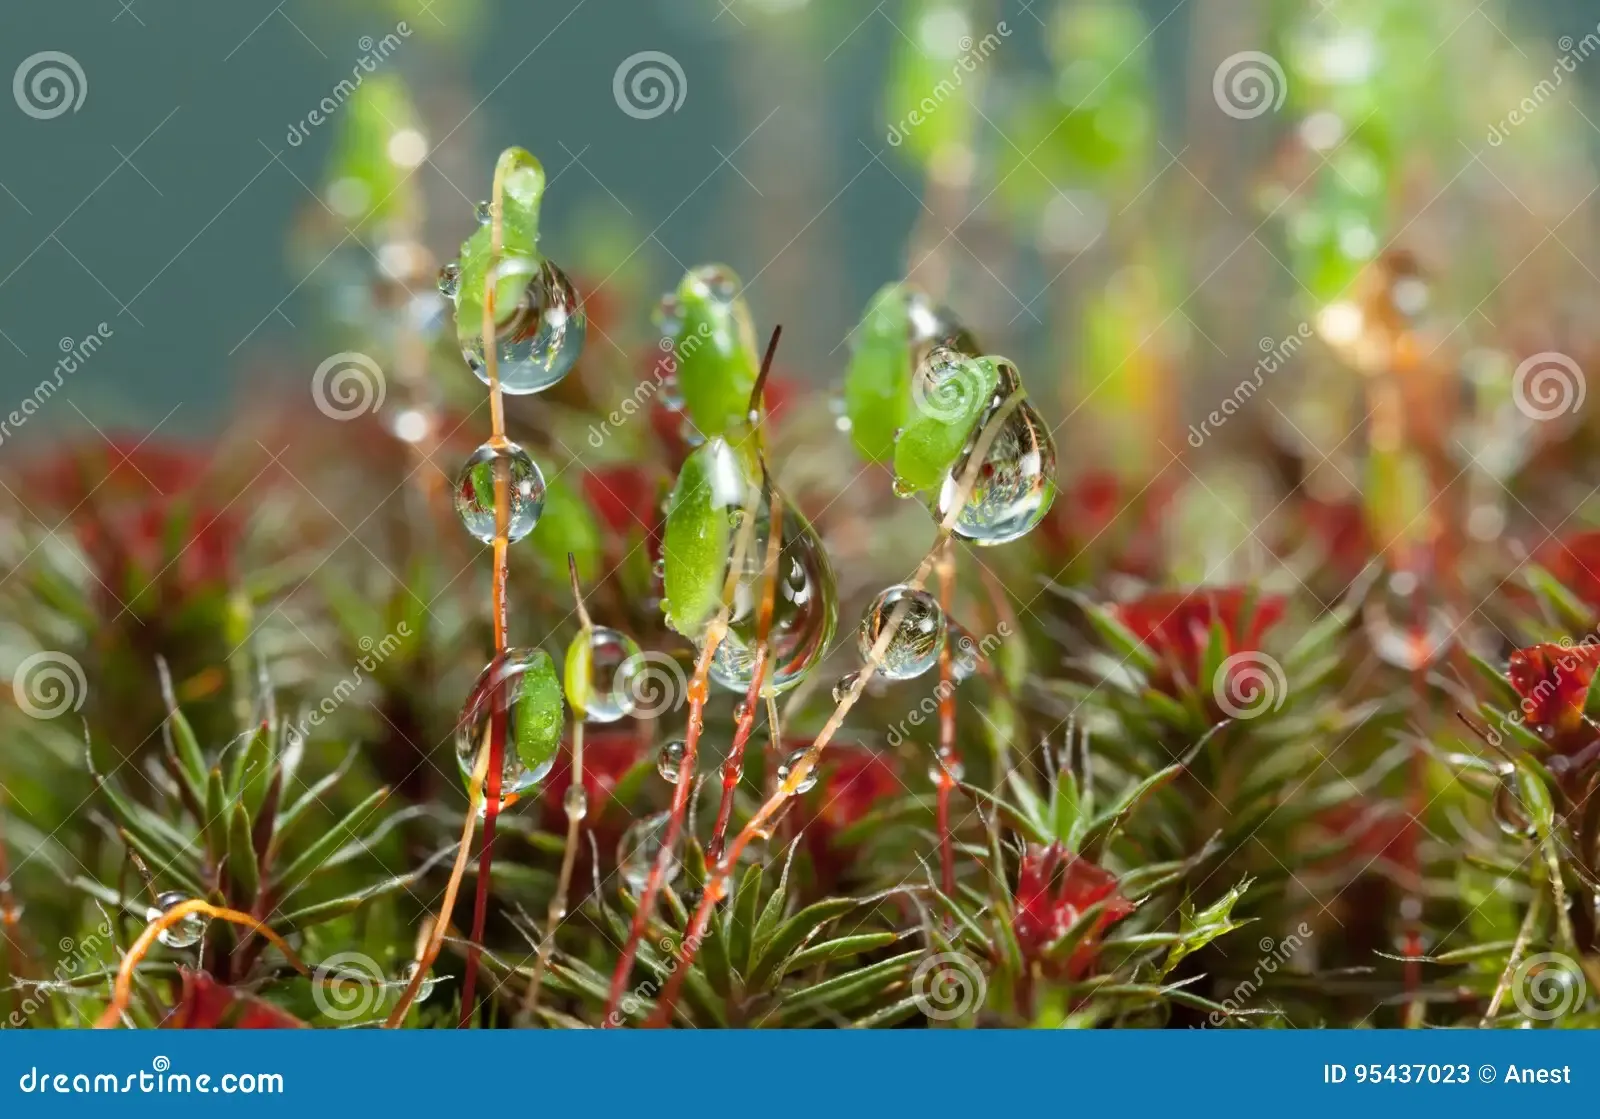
(877, 385)
(950, 399)
(716, 349)
(711, 486)
(522, 188)
(538, 713)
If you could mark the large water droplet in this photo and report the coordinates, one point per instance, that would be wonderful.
(1406, 621)
(808, 782)
(669, 763)
(475, 491)
(186, 933)
(499, 690)
(637, 851)
(540, 341)
(805, 604)
(1014, 486)
(916, 643)
(614, 666)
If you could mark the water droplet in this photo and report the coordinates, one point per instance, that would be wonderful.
(539, 342)
(668, 316)
(1012, 489)
(932, 325)
(670, 393)
(741, 711)
(484, 212)
(615, 664)
(716, 281)
(475, 491)
(1508, 811)
(499, 690)
(425, 988)
(915, 646)
(805, 603)
(1406, 621)
(659, 568)
(638, 849)
(575, 801)
(450, 280)
(842, 688)
(952, 766)
(690, 434)
(669, 763)
(189, 929)
(808, 782)
(903, 488)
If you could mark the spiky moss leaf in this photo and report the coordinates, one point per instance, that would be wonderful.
(716, 349)
(944, 420)
(539, 713)
(330, 841)
(242, 868)
(522, 188)
(567, 527)
(379, 109)
(1200, 928)
(711, 486)
(792, 933)
(877, 385)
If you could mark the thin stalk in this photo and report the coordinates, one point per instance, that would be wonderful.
(699, 689)
(575, 810)
(122, 990)
(948, 756)
(502, 516)
(1524, 936)
(733, 766)
(430, 950)
(801, 770)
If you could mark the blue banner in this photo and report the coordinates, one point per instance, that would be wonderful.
(775, 1073)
